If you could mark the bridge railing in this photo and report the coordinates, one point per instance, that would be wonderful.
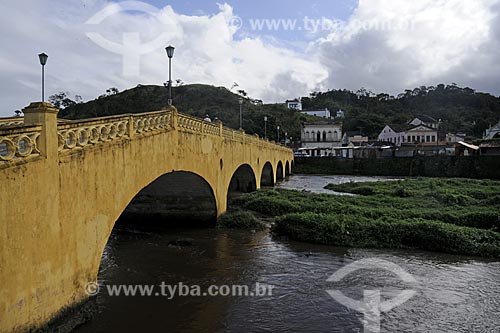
(18, 140)
(11, 121)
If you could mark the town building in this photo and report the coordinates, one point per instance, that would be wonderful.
(394, 134)
(320, 137)
(294, 105)
(354, 139)
(492, 132)
(325, 113)
(425, 121)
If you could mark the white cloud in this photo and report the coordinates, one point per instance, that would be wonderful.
(206, 52)
(449, 41)
(431, 41)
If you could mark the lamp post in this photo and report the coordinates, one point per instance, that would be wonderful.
(43, 60)
(241, 113)
(278, 130)
(170, 53)
(265, 127)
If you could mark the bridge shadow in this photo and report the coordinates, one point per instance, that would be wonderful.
(176, 199)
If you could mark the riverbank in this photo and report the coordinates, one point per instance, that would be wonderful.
(456, 216)
(479, 167)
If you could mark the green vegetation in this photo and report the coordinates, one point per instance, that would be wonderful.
(452, 215)
(240, 220)
(461, 109)
(196, 100)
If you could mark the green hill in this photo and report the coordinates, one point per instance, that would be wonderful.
(196, 100)
(460, 109)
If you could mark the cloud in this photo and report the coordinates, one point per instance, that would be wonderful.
(397, 44)
(207, 51)
(386, 45)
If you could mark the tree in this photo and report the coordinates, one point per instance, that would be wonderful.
(62, 100)
(110, 92)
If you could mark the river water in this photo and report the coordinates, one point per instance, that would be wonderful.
(450, 293)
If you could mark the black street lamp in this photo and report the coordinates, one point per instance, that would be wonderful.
(43, 60)
(241, 113)
(170, 53)
(265, 127)
(278, 130)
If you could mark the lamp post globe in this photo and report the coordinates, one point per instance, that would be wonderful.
(170, 53)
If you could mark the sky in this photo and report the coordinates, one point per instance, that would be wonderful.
(273, 49)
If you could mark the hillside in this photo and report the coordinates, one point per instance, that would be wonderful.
(197, 100)
(460, 109)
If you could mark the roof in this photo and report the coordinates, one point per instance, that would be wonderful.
(468, 145)
(425, 119)
(413, 127)
(398, 127)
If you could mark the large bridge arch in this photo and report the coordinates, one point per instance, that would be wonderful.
(280, 171)
(243, 180)
(267, 175)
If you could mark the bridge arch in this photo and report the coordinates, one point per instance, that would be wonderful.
(280, 175)
(243, 180)
(267, 175)
(287, 169)
(174, 196)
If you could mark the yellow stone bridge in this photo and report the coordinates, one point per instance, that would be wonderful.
(63, 185)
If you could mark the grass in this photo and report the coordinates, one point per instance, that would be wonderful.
(446, 215)
(240, 220)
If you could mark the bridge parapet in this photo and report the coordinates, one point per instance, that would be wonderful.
(19, 142)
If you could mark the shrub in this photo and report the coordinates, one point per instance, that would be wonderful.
(240, 220)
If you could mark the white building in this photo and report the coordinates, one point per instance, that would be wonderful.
(422, 135)
(492, 132)
(419, 134)
(354, 139)
(318, 113)
(424, 120)
(294, 105)
(455, 138)
(394, 134)
(319, 138)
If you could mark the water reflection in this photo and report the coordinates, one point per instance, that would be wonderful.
(455, 293)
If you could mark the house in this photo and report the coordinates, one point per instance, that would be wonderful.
(491, 148)
(325, 113)
(455, 138)
(340, 114)
(320, 137)
(418, 131)
(422, 135)
(425, 121)
(394, 134)
(353, 138)
(492, 132)
(294, 105)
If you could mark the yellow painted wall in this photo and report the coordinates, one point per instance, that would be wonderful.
(58, 206)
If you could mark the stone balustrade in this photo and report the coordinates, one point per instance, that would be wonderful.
(19, 141)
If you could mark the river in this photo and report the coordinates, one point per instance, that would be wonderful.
(450, 293)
